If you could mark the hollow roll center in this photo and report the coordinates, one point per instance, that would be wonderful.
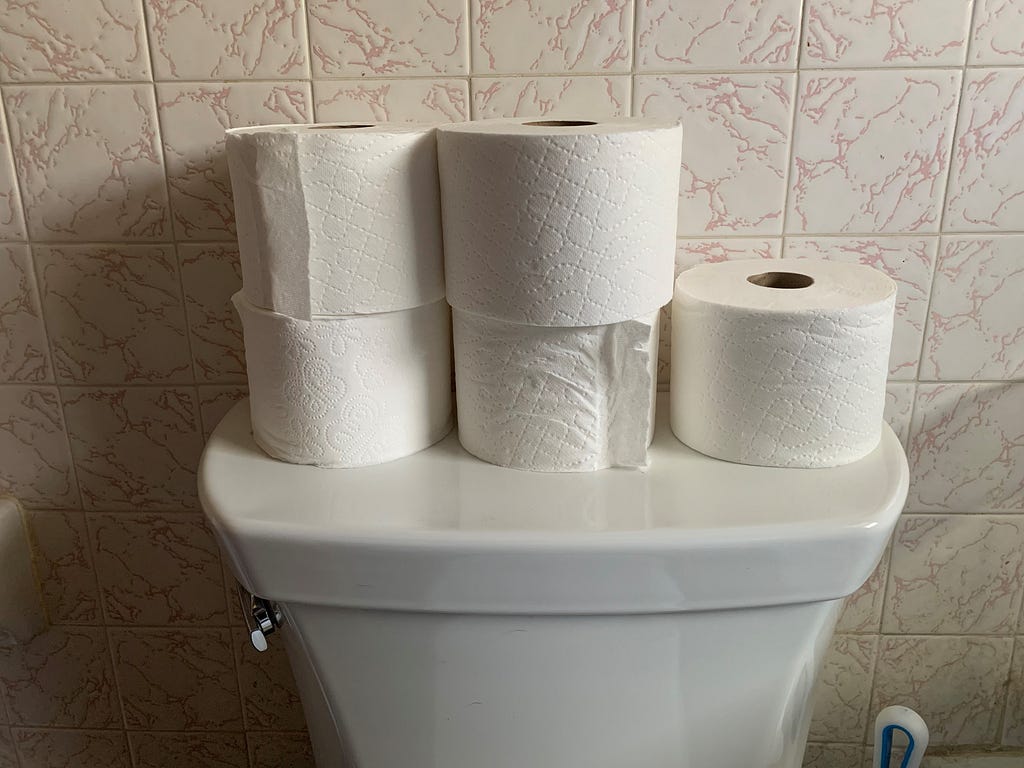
(561, 123)
(781, 280)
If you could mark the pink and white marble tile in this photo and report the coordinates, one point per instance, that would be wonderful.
(136, 448)
(89, 161)
(63, 560)
(737, 130)
(524, 36)
(418, 100)
(8, 758)
(967, 448)
(955, 683)
(61, 677)
(158, 570)
(12, 223)
(114, 314)
(893, 33)
(586, 97)
(677, 35)
(46, 748)
(192, 688)
(976, 319)
(215, 402)
(193, 117)
(24, 355)
(910, 261)
(210, 274)
(227, 39)
(36, 467)
(272, 750)
(899, 405)
(834, 756)
(862, 611)
(1013, 720)
(986, 190)
(871, 150)
(998, 36)
(270, 700)
(206, 750)
(388, 38)
(843, 690)
(87, 40)
(956, 575)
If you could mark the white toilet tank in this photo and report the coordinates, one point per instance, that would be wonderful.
(445, 613)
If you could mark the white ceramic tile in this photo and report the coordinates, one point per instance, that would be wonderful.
(976, 319)
(388, 38)
(843, 690)
(862, 611)
(899, 404)
(63, 560)
(871, 150)
(52, 748)
(1013, 720)
(23, 350)
(955, 683)
(272, 750)
(736, 131)
(885, 33)
(986, 189)
(12, 223)
(36, 466)
(589, 98)
(955, 575)
(998, 36)
(193, 117)
(114, 314)
(89, 161)
(210, 275)
(42, 40)
(680, 35)
(907, 260)
(227, 39)
(524, 36)
(833, 756)
(209, 750)
(421, 100)
(215, 402)
(967, 448)
(8, 758)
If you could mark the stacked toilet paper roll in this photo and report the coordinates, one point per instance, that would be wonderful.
(781, 362)
(347, 335)
(559, 247)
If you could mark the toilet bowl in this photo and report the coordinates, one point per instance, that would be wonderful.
(440, 612)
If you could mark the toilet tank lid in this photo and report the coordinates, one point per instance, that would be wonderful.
(442, 530)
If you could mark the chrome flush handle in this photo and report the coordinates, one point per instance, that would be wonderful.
(262, 617)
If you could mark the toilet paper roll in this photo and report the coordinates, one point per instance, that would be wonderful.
(337, 219)
(556, 399)
(781, 362)
(559, 223)
(348, 391)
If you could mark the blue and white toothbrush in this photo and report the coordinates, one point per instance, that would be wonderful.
(908, 722)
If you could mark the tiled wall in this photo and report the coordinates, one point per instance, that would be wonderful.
(889, 132)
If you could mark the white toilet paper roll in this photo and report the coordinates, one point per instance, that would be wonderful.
(556, 399)
(781, 362)
(559, 223)
(348, 391)
(337, 219)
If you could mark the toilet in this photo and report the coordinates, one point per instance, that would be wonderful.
(441, 612)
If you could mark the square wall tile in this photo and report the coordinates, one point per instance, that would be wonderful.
(389, 38)
(522, 36)
(998, 36)
(8, 758)
(871, 150)
(37, 465)
(135, 449)
(193, 117)
(12, 223)
(680, 35)
(272, 750)
(420, 100)
(834, 756)
(63, 560)
(192, 688)
(227, 39)
(590, 98)
(909, 261)
(862, 611)
(986, 190)
(955, 575)
(1013, 720)
(210, 275)
(967, 448)
(89, 162)
(208, 750)
(899, 405)
(270, 700)
(885, 33)
(215, 402)
(83, 40)
(44, 748)
(158, 569)
(976, 319)
(843, 690)
(61, 677)
(114, 314)
(955, 683)
(23, 350)
(736, 131)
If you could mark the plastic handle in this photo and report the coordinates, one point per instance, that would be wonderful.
(908, 722)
